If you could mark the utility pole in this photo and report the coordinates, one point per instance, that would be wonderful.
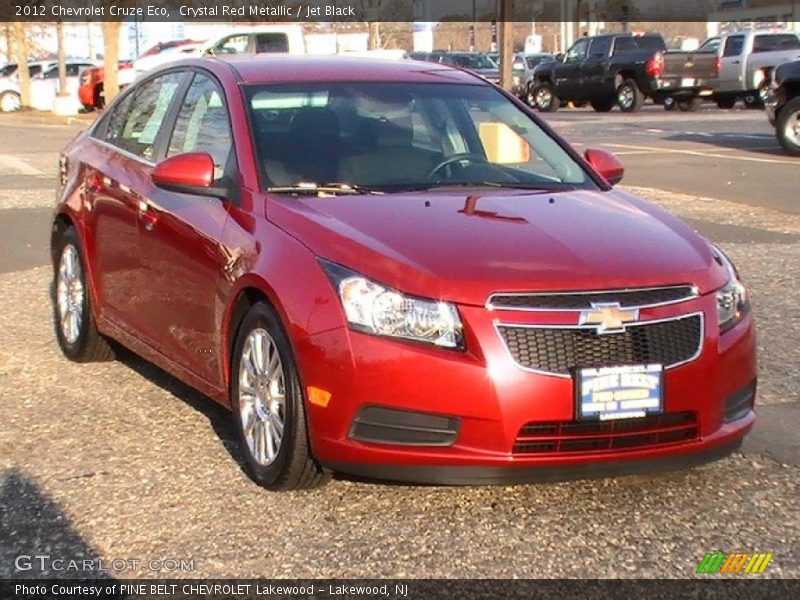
(506, 42)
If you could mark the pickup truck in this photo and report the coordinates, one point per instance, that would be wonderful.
(688, 77)
(783, 106)
(602, 70)
(746, 60)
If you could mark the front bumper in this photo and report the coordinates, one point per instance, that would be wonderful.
(774, 100)
(493, 399)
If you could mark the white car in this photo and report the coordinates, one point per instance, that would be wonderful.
(44, 87)
(146, 63)
(9, 82)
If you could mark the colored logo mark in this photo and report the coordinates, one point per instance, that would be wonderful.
(741, 562)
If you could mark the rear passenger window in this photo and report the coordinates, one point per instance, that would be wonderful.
(137, 120)
(775, 42)
(599, 47)
(733, 46)
(202, 124)
(272, 42)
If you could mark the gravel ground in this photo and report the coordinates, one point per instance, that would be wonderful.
(120, 461)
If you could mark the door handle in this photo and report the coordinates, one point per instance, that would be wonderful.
(736, 62)
(147, 215)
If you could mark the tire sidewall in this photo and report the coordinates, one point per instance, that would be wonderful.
(75, 349)
(781, 121)
(264, 317)
(636, 99)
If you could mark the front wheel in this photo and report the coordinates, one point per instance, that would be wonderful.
(9, 102)
(629, 96)
(268, 408)
(787, 126)
(544, 98)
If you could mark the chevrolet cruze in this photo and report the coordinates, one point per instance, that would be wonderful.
(396, 270)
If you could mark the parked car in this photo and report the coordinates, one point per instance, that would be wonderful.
(476, 62)
(392, 269)
(603, 70)
(746, 60)
(91, 91)
(687, 78)
(45, 85)
(164, 53)
(783, 106)
(9, 83)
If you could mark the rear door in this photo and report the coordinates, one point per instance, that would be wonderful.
(731, 73)
(117, 171)
(181, 256)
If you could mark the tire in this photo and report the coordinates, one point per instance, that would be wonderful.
(73, 316)
(10, 101)
(787, 127)
(692, 105)
(629, 96)
(265, 391)
(753, 101)
(669, 104)
(544, 99)
(603, 106)
(726, 104)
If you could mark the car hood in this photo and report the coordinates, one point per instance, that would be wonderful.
(462, 247)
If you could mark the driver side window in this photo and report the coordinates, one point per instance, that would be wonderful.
(578, 51)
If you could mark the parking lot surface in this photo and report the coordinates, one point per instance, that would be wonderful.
(121, 461)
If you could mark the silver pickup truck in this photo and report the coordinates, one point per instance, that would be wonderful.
(745, 63)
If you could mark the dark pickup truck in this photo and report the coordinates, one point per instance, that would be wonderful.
(602, 70)
(783, 105)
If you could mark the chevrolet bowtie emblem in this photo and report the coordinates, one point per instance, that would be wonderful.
(609, 318)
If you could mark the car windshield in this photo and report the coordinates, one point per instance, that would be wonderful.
(8, 70)
(394, 137)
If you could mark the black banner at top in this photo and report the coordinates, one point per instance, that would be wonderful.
(314, 11)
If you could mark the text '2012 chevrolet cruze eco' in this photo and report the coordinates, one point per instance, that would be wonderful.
(395, 270)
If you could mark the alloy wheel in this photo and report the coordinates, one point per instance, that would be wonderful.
(792, 128)
(69, 294)
(543, 97)
(625, 96)
(9, 102)
(262, 396)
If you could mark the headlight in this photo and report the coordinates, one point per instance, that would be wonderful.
(732, 302)
(373, 308)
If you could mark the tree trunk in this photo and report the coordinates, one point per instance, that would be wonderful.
(111, 31)
(506, 42)
(62, 60)
(374, 35)
(21, 51)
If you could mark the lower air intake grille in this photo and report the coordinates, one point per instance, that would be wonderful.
(555, 437)
(561, 350)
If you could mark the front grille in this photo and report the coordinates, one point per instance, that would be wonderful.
(562, 350)
(583, 300)
(549, 437)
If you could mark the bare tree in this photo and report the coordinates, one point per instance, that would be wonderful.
(111, 30)
(62, 60)
(21, 54)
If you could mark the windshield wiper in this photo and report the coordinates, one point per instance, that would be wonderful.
(544, 188)
(323, 189)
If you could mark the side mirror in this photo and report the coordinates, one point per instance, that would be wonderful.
(190, 173)
(606, 164)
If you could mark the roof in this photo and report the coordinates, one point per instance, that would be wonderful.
(274, 68)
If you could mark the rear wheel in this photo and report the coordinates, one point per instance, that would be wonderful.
(72, 307)
(604, 105)
(629, 96)
(9, 102)
(787, 126)
(268, 408)
(544, 99)
(669, 103)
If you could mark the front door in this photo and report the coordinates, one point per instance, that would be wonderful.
(180, 237)
(731, 73)
(568, 74)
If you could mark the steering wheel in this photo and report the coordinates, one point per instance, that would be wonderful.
(456, 158)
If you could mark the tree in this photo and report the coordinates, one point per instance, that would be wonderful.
(62, 60)
(111, 30)
(21, 54)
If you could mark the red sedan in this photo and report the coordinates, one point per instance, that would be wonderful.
(396, 270)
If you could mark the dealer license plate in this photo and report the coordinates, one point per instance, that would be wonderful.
(619, 392)
(687, 82)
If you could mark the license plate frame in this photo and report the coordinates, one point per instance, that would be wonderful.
(618, 392)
